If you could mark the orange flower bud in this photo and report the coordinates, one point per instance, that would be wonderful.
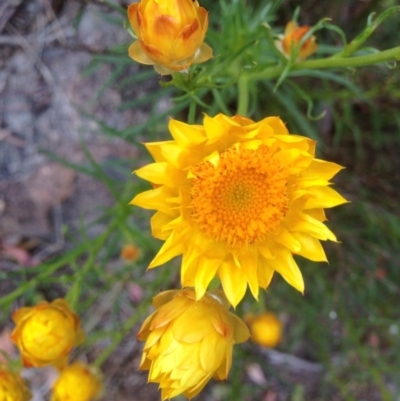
(188, 342)
(12, 387)
(77, 382)
(46, 333)
(291, 39)
(130, 253)
(170, 34)
(265, 329)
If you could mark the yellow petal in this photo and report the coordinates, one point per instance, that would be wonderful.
(215, 128)
(277, 125)
(307, 224)
(155, 149)
(234, 282)
(240, 330)
(323, 197)
(163, 297)
(322, 169)
(264, 272)
(311, 248)
(158, 223)
(206, 270)
(21, 313)
(136, 52)
(286, 239)
(161, 173)
(285, 265)
(318, 214)
(156, 199)
(212, 352)
(203, 53)
(174, 154)
(290, 27)
(172, 247)
(248, 261)
(186, 135)
(192, 326)
(265, 250)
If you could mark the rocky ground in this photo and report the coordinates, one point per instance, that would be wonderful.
(43, 54)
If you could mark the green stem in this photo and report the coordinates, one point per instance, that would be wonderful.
(192, 111)
(164, 277)
(330, 62)
(48, 269)
(120, 335)
(243, 95)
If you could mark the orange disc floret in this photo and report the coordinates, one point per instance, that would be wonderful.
(46, 333)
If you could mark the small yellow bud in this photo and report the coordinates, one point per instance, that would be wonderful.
(12, 387)
(291, 39)
(170, 34)
(46, 333)
(77, 382)
(188, 342)
(266, 330)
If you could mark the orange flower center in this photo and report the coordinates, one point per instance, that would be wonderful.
(242, 199)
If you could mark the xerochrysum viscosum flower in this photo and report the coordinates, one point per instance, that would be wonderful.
(170, 34)
(12, 386)
(188, 342)
(46, 333)
(292, 38)
(237, 199)
(77, 382)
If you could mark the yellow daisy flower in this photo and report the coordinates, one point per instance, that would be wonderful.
(236, 198)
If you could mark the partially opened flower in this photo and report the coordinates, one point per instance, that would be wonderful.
(46, 333)
(291, 40)
(265, 329)
(77, 382)
(188, 342)
(13, 387)
(170, 34)
(237, 198)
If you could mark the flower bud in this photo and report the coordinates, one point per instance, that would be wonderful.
(130, 253)
(188, 342)
(266, 329)
(12, 387)
(77, 382)
(46, 333)
(170, 34)
(291, 39)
